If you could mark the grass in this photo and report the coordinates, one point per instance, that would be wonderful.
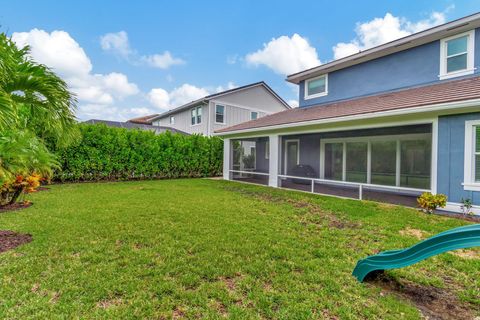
(212, 249)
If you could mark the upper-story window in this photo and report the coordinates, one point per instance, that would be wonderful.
(172, 120)
(196, 114)
(253, 115)
(472, 156)
(316, 87)
(220, 114)
(456, 55)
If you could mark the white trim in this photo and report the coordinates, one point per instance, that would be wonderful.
(434, 165)
(365, 116)
(306, 96)
(369, 139)
(469, 182)
(456, 207)
(250, 172)
(227, 156)
(215, 113)
(273, 143)
(470, 56)
(285, 151)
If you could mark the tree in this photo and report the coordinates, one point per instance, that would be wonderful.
(35, 106)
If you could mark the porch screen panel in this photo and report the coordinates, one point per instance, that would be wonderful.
(477, 154)
(384, 156)
(333, 161)
(356, 165)
(415, 163)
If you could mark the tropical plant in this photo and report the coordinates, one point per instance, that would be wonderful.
(466, 206)
(35, 106)
(428, 202)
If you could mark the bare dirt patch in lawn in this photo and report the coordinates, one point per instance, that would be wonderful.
(432, 302)
(467, 253)
(10, 239)
(15, 206)
(313, 214)
(419, 234)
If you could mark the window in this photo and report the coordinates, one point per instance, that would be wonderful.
(172, 120)
(253, 115)
(472, 155)
(316, 87)
(220, 114)
(403, 161)
(456, 55)
(196, 115)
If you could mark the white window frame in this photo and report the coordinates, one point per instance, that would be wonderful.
(286, 153)
(224, 113)
(172, 119)
(469, 161)
(470, 56)
(316, 95)
(369, 140)
(251, 115)
(196, 116)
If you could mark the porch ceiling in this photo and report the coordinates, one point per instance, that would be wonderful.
(445, 92)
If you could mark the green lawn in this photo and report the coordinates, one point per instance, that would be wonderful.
(212, 249)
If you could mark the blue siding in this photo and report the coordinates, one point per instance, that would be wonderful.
(451, 151)
(416, 66)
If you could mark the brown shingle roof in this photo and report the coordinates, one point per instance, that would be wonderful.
(451, 91)
(144, 119)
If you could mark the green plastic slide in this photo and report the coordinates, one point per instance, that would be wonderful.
(458, 238)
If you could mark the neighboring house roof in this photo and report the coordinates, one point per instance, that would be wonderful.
(219, 94)
(414, 40)
(130, 125)
(451, 91)
(144, 119)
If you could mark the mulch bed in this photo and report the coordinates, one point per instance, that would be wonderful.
(43, 189)
(10, 239)
(15, 206)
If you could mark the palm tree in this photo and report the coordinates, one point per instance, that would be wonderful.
(35, 106)
(33, 97)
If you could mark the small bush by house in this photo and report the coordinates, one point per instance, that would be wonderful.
(107, 153)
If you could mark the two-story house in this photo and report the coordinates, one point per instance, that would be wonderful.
(222, 109)
(387, 124)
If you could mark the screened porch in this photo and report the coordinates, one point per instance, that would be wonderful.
(391, 164)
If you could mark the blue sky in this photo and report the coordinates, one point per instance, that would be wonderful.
(129, 58)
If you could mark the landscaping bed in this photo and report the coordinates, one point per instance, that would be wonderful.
(200, 248)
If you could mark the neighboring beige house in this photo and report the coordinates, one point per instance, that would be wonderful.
(222, 109)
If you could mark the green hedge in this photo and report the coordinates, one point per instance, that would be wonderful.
(106, 153)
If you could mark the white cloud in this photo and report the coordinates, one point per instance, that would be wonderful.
(118, 44)
(293, 103)
(59, 51)
(108, 112)
(162, 99)
(285, 55)
(382, 30)
(162, 61)
(159, 98)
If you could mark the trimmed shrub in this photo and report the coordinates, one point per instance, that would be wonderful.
(107, 153)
